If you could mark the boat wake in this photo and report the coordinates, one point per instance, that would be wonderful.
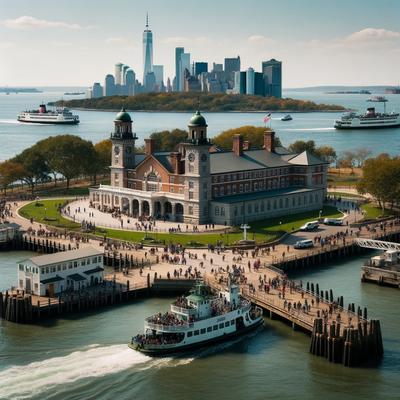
(308, 129)
(25, 381)
(15, 122)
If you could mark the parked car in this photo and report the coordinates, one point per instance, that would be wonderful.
(333, 221)
(310, 226)
(304, 244)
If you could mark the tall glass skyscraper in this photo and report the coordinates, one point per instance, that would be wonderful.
(178, 71)
(147, 50)
(272, 71)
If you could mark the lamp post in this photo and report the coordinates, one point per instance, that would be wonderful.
(320, 214)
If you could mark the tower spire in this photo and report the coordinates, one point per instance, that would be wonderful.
(147, 20)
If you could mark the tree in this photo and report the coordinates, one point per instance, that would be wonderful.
(168, 140)
(253, 134)
(349, 157)
(300, 145)
(34, 168)
(326, 153)
(10, 171)
(361, 155)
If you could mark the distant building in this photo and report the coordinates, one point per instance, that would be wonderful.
(217, 68)
(250, 81)
(178, 71)
(191, 83)
(159, 74)
(118, 73)
(169, 86)
(184, 64)
(109, 85)
(200, 67)
(51, 274)
(259, 87)
(150, 82)
(240, 82)
(97, 90)
(130, 81)
(272, 71)
(147, 50)
(232, 65)
(124, 69)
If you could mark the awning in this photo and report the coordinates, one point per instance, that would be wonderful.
(51, 280)
(94, 270)
(76, 277)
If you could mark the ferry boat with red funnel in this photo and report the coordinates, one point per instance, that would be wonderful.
(61, 115)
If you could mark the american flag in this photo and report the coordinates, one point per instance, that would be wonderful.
(267, 118)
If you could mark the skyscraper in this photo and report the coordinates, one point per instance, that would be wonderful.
(178, 72)
(272, 71)
(130, 81)
(200, 67)
(97, 90)
(259, 87)
(118, 73)
(123, 72)
(147, 50)
(232, 64)
(109, 85)
(184, 64)
(159, 74)
(250, 81)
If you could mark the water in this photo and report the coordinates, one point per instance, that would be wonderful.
(87, 357)
(97, 125)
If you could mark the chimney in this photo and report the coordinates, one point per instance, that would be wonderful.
(246, 145)
(269, 141)
(149, 146)
(176, 162)
(237, 147)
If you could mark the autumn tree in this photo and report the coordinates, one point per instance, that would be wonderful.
(10, 171)
(168, 140)
(326, 153)
(300, 145)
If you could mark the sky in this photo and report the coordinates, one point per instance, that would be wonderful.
(320, 42)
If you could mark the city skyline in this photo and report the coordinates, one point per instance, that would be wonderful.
(313, 45)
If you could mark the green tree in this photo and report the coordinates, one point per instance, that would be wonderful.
(300, 145)
(253, 134)
(168, 140)
(10, 171)
(326, 153)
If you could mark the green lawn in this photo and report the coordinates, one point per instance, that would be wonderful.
(46, 212)
(372, 212)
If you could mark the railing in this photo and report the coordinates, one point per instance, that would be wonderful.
(182, 310)
(169, 328)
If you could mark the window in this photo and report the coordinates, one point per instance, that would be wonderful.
(235, 211)
(233, 322)
(191, 195)
(249, 208)
(59, 267)
(53, 269)
(256, 208)
(222, 211)
(203, 331)
(215, 327)
(216, 210)
(21, 267)
(83, 262)
(191, 184)
(226, 324)
(75, 264)
(209, 329)
(190, 210)
(221, 326)
(70, 265)
(190, 334)
(241, 188)
(196, 333)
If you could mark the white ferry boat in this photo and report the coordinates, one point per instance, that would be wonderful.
(42, 116)
(196, 320)
(371, 119)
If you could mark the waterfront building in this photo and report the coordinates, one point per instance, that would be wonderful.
(159, 74)
(118, 73)
(150, 82)
(200, 67)
(259, 87)
(97, 90)
(147, 50)
(195, 185)
(130, 81)
(51, 274)
(123, 73)
(250, 81)
(178, 71)
(109, 85)
(272, 71)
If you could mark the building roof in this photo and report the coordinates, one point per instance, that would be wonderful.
(197, 120)
(306, 158)
(56, 278)
(76, 277)
(123, 116)
(64, 256)
(93, 271)
(241, 197)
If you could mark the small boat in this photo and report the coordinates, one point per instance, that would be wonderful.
(200, 319)
(287, 117)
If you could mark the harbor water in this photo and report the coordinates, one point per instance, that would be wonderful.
(97, 125)
(86, 356)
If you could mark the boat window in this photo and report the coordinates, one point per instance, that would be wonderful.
(226, 324)
(209, 329)
(233, 322)
(215, 327)
(189, 334)
(196, 333)
(221, 326)
(203, 331)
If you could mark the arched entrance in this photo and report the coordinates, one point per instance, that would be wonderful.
(145, 208)
(125, 205)
(135, 208)
(167, 210)
(178, 212)
(157, 209)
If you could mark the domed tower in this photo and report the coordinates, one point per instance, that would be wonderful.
(123, 149)
(197, 171)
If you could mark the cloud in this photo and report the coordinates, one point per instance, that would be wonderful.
(6, 45)
(180, 40)
(372, 34)
(60, 44)
(260, 39)
(28, 22)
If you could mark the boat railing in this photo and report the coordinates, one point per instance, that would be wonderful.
(183, 310)
(168, 328)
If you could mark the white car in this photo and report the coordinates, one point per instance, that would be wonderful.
(310, 226)
(304, 244)
(333, 221)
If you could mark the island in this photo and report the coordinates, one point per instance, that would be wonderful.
(9, 90)
(211, 102)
